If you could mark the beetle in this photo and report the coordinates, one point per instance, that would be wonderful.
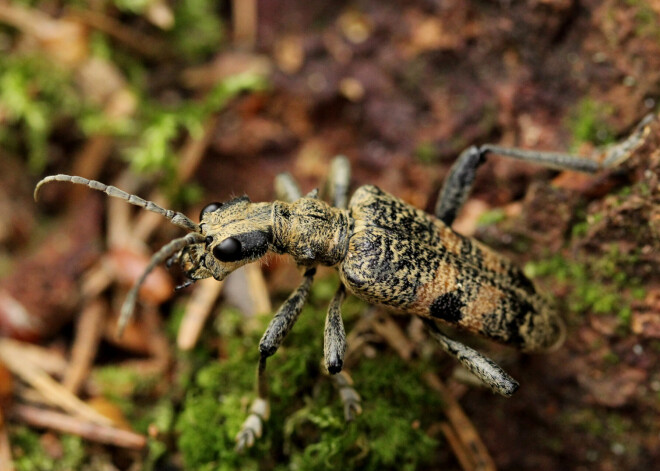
(386, 252)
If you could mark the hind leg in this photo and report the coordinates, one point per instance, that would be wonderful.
(459, 183)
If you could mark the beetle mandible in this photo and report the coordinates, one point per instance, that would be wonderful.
(385, 251)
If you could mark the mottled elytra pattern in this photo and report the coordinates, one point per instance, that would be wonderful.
(403, 258)
(448, 307)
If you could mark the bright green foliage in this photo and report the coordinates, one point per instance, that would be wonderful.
(132, 6)
(38, 95)
(34, 95)
(157, 126)
(307, 429)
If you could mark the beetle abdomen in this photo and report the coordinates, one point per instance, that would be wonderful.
(405, 259)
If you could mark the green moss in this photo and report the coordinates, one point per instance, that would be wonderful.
(588, 122)
(35, 95)
(202, 17)
(306, 429)
(118, 382)
(158, 127)
(491, 217)
(29, 454)
(595, 284)
(426, 152)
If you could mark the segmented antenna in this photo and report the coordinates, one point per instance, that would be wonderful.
(176, 218)
(159, 257)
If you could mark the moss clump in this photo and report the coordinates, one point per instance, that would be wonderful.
(29, 453)
(35, 96)
(588, 123)
(594, 284)
(306, 429)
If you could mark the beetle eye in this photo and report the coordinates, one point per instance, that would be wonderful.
(209, 208)
(229, 250)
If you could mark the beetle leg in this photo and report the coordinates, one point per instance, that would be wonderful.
(482, 367)
(350, 398)
(339, 179)
(334, 348)
(277, 330)
(286, 188)
(459, 183)
(334, 338)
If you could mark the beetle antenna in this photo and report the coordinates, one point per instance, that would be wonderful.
(159, 257)
(176, 218)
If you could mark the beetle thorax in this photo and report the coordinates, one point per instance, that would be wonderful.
(311, 231)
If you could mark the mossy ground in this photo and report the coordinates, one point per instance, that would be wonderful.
(306, 428)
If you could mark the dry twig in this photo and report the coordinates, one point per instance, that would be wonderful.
(11, 354)
(198, 309)
(107, 434)
(89, 327)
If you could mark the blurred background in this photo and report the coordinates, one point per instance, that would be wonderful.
(190, 102)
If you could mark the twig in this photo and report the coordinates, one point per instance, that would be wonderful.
(384, 326)
(472, 446)
(159, 345)
(455, 443)
(39, 417)
(198, 309)
(89, 327)
(131, 37)
(245, 22)
(52, 391)
(49, 361)
(89, 162)
(96, 280)
(257, 289)
(119, 217)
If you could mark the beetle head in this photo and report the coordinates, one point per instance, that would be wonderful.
(234, 233)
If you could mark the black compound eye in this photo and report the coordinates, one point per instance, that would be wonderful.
(209, 208)
(229, 250)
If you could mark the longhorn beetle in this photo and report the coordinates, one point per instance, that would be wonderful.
(386, 252)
